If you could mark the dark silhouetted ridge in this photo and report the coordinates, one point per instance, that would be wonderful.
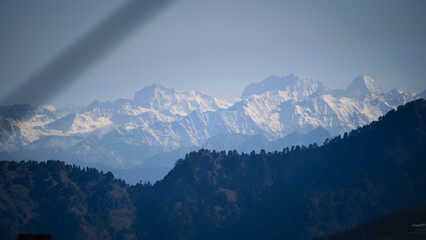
(298, 193)
(403, 224)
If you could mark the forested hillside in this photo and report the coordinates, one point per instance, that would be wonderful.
(68, 202)
(298, 193)
(402, 224)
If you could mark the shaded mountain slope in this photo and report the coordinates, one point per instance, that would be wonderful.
(294, 195)
(127, 133)
(402, 224)
(298, 193)
(68, 202)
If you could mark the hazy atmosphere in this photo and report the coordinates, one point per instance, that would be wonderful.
(189, 119)
(219, 47)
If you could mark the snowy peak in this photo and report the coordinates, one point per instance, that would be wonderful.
(398, 97)
(422, 95)
(164, 119)
(152, 96)
(294, 87)
(175, 102)
(269, 84)
(362, 87)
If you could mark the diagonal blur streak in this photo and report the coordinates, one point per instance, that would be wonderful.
(85, 52)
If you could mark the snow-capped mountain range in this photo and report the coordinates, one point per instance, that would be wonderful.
(131, 132)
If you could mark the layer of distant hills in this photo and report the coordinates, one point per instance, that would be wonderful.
(147, 134)
(296, 193)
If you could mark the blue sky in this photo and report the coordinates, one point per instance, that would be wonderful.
(220, 46)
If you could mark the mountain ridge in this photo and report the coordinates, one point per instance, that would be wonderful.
(161, 119)
(297, 193)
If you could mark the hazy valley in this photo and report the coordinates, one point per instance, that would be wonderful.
(297, 193)
(148, 133)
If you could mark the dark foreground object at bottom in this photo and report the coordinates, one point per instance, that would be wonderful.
(35, 237)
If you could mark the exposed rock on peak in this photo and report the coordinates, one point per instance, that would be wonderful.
(295, 87)
(363, 86)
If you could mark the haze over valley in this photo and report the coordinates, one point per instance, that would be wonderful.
(160, 125)
(188, 120)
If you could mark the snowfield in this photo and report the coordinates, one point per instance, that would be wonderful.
(159, 119)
